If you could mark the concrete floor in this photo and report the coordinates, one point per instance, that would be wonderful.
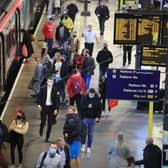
(123, 118)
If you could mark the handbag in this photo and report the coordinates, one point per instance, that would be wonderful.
(112, 103)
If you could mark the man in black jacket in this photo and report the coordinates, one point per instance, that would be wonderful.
(104, 58)
(48, 103)
(102, 12)
(72, 135)
(151, 155)
(90, 113)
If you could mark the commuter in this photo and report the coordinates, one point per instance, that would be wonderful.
(63, 150)
(74, 42)
(88, 67)
(104, 58)
(151, 155)
(57, 7)
(127, 50)
(72, 10)
(47, 2)
(79, 61)
(118, 152)
(72, 132)
(48, 103)
(48, 33)
(90, 113)
(62, 34)
(50, 158)
(18, 127)
(57, 62)
(75, 88)
(102, 12)
(68, 23)
(38, 77)
(89, 38)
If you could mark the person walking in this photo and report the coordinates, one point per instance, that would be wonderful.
(18, 128)
(118, 153)
(89, 37)
(48, 33)
(104, 58)
(88, 67)
(72, 135)
(102, 12)
(151, 155)
(75, 88)
(50, 158)
(127, 50)
(48, 103)
(90, 114)
(63, 150)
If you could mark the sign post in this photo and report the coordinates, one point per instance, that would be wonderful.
(85, 12)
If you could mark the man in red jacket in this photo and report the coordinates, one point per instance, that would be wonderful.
(48, 33)
(76, 88)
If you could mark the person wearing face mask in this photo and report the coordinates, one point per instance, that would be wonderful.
(48, 103)
(104, 58)
(49, 159)
(18, 127)
(90, 113)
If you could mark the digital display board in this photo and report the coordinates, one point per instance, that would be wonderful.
(132, 84)
(148, 29)
(164, 34)
(125, 29)
(154, 55)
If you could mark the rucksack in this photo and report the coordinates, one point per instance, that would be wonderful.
(76, 87)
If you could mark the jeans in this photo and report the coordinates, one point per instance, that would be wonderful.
(49, 44)
(90, 124)
(87, 77)
(102, 71)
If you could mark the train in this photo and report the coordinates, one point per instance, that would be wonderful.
(15, 16)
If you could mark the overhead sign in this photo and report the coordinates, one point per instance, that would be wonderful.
(148, 29)
(132, 84)
(154, 55)
(125, 29)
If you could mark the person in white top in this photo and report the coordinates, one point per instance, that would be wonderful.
(90, 37)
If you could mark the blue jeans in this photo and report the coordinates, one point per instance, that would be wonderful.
(49, 44)
(90, 124)
(102, 71)
(87, 77)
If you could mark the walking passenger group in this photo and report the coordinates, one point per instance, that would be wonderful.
(64, 73)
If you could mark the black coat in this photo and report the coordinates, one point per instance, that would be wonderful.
(95, 111)
(151, 157)
(72, 127)
(55, 98)
(104, 57)
(88, 65)
(66, 34)
(103, 11)
(72, 10)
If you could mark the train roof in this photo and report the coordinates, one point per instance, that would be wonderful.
(7, 9)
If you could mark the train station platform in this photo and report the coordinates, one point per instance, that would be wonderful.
(123, 118)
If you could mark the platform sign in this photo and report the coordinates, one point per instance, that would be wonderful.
(154, 55)
(125, 29)
(164, 34)
(132, 84)
(148, 29)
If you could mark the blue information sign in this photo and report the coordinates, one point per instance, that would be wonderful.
(132, 84)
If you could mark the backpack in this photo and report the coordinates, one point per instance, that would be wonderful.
(76, 87)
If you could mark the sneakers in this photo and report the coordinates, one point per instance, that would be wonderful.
(83, 148)
(89, 150)
(20, 166)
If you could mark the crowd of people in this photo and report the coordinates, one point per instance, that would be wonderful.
(62, 79)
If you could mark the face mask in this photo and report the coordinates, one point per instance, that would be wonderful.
(57, 76)
(89, 30)
(19, 117)
(52, 152)
(91, 96)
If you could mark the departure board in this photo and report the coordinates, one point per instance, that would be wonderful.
(148, 29)
(164, 38)
(125, 29)
(154, 55)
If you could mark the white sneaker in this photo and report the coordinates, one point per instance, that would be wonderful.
(20, 166)
(89, 150)
(12, 166)
(83, 148)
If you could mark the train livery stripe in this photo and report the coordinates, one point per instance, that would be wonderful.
(18, 75)
(10, 13)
